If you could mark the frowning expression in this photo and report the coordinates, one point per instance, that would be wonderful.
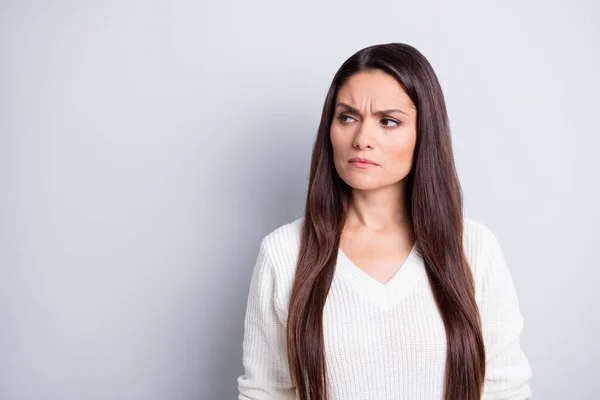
(374, 120)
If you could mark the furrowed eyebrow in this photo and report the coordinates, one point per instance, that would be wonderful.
(381, 112)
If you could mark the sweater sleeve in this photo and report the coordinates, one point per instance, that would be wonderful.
(507, 368)
(266, 372)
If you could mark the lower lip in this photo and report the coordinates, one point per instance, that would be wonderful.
(358, 164)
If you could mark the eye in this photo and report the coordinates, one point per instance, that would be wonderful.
(342, 117)
(398, 123)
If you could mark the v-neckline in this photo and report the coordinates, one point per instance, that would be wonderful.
(385, 295)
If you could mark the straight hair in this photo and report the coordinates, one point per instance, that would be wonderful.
(435, 209)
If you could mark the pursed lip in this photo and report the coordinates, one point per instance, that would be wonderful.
(362, 160)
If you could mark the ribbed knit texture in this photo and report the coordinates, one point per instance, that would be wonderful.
(382, 341)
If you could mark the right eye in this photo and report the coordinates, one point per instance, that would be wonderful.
(343, 117)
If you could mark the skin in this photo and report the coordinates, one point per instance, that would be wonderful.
(376, 237)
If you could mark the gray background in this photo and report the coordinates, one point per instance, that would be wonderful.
(147, 147)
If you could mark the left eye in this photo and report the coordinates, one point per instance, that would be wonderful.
(392, 121)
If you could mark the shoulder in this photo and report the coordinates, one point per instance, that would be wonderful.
(282, 243)
(281, 247)
(477, 238)
(484, 254)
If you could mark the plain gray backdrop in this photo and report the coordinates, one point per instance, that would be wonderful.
(147, 147)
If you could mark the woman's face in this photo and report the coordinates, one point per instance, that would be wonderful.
(374, 119)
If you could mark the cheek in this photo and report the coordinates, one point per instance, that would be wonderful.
(400, 153)
(338, 139)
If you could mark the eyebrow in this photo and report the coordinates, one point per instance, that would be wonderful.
(381, 112)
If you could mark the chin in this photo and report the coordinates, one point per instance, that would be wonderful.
(362, 183)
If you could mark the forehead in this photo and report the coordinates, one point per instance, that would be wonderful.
(373, 86)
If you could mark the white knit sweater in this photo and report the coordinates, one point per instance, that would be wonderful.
(382, 341)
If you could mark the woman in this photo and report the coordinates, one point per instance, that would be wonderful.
(383, 289)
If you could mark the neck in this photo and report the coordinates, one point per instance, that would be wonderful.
(379, 209)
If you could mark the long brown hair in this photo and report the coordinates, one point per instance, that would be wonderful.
(435, 208)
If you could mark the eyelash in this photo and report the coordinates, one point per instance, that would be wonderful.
(342, 116)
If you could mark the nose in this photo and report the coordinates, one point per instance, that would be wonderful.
(363, 138)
